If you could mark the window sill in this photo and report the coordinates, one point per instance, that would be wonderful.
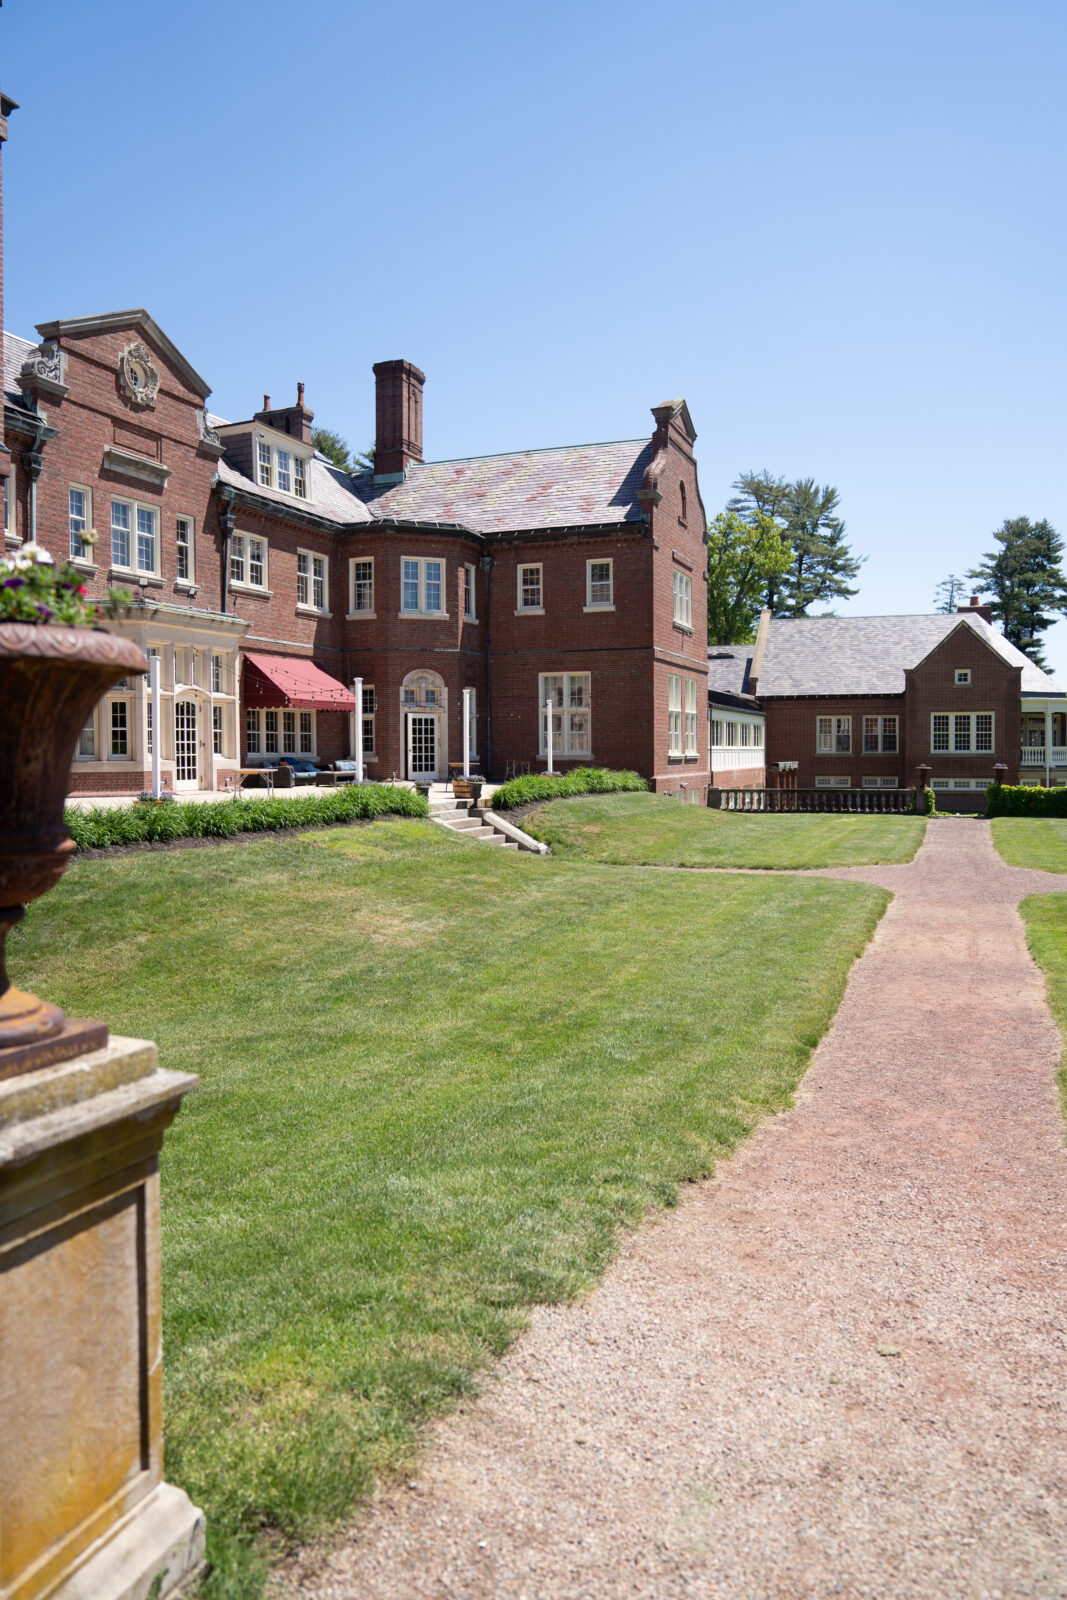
(12, 539)
(251, 588)
(311, 611)
(468, 618)
(80, 564)
(147, 580)
(588, 609)
(186, 585)
(529, 611)
(683, 627)
(676, 760)
(693, 757)
(361, 616)
(542, 755)
(426, 616)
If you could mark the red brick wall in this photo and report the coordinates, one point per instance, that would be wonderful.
(994, 687)
(791, 736)
(739, 777)
(678, 531)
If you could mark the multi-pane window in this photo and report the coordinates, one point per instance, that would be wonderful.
(78, 503)
(120, 533)
(120, 730)
(285, 470)
(674, 715)
(962, 732)
(716, 732)
(216, 674)
(216, 729)
(598, 586)
(832, 783)
(472, 723)
(306, 741)
(8, 486)
(146, 539)
(265, 474)
(134, 537)
(183, 549)
(149, 727)
(248, 560)
(367, 720)
(683, 599)
(568, 693)
(963, 676)
(87, 741)
(879, 735)
(880, 783)
(270, 732)
(362, 580)
(833, 736)
(289, 733)
(310, 580)
(252, 732)
(280, 468)
(531, 588)
(300, 482)
(468, 590)
(691, 717)
(422, 586)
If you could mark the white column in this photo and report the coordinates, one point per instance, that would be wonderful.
(548, 733)
(357, 690)
(157, 731)
(466, 733)
(1048, 743)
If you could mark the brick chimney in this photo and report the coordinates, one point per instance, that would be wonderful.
(294, 420)
(976, 609)
(7, 106)
(398, 417)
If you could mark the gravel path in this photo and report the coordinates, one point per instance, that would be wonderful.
(839, 1368)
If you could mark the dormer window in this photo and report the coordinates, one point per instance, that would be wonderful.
(300, 484)
(278, 467)
(266, 477)
(285, 471)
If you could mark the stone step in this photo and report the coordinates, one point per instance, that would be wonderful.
(464, 824)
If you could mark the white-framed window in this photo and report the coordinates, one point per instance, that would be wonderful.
(530, 588)
(832, 783)
(599, 585)
(264, 472)
(833, 736)
(683, 599)
(757, 735)
(307, 733)
(960, 783)
(87, 741)
(134, 537)
(184, 549)
(962, 676)
(691, 717)
(300, 478)
(422, 583)
(361, 586)
(248, 560)
(272, 733)
(962, 732)
(216, 673)
(216, 730)
(119, 730)
(674, 715)
(9, 500)
(284, 463)
(880, 783)
(278, 466)
(717, 732)
(80, 511)
(252, 732)
(468, 592)
(569, 693)
(310, 580)
(880, 735)
(367, 719)
(472, 723)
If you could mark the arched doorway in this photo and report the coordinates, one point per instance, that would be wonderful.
(423, 703)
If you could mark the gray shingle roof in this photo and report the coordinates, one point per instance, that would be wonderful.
(331, 495)
(868, 655)
(556, 488)
(728, 668)
(15, 352)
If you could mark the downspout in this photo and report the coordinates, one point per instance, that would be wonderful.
(34, 463)
(486, 564)
(226, 524)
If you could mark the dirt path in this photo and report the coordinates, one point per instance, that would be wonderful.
(717, 1420)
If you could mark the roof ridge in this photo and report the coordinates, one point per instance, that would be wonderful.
(538, 450)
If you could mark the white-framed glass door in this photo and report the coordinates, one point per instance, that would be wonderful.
(422, 748)
(185, 745)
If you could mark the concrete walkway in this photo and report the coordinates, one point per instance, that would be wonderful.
(840, 1368)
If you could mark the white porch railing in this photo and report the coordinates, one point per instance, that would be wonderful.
(1033, 755)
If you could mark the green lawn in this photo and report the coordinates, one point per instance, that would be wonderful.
(437, 1079)
(1045, 916)
(1032, 841)
(649, 830)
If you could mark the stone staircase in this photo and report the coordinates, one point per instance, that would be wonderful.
(482, 826)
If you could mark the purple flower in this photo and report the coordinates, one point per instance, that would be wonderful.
(13, 583)
(44, 613)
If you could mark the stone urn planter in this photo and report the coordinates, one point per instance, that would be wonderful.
(50, 679)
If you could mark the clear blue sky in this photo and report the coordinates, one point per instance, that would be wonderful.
(836, 228)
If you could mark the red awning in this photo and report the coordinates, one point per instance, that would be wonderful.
(274, 681)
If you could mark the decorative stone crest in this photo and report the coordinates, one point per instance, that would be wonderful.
(138, 375)
(208, 434)
(46, 361)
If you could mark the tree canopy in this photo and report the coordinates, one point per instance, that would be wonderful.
(806, 516)
(336, 449)
(746, 555)
(949, 592)
(1025, 581)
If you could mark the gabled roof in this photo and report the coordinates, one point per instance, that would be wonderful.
(571, 485)
(331, 492)
(111, 321)
(868, 655)
(728, 670)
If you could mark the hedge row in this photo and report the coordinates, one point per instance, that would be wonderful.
(583, 780)
(1025, 800)
(150, 820)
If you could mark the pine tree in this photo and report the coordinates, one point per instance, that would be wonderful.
(806, 516)
(949, 593)
(1025, 579)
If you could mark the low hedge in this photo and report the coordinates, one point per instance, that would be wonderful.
(100, 827)
(1025, 800)
(583, 780)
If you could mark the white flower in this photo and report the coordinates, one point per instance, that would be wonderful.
(34, 555)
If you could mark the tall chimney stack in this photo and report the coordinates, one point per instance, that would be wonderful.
(398, 417)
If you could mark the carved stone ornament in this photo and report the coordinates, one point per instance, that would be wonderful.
(208, 434)
(44, 362)
(138, 375)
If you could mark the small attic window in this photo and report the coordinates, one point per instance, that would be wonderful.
(681, 488)
(963, 675)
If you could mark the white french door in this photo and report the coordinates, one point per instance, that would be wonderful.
(185, 767)
(422, 748)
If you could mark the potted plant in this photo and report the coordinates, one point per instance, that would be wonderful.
(55, 663)
(468, 788)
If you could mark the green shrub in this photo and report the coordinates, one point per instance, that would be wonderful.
(583, 780)
(1025, 800)
(199, 819)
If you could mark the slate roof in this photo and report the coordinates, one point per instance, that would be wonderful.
(868, 655)
(15, 352)
(567, 486)
(331, 493)
(728, 671)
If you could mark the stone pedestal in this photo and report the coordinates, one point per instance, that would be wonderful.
(84, 1511)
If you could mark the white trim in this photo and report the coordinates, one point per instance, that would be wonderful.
(683, 600)
(308, 605)
(521, 608)
(470, 572)
(132, 567)
(87, 521)
(10, 508)
(241, 552)
(880, 746)
(278, 445)
(592, 604)
(189, 579)
(352, 613)
(830, 743)
(423, 563)
(951, 733)
(564, 711)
